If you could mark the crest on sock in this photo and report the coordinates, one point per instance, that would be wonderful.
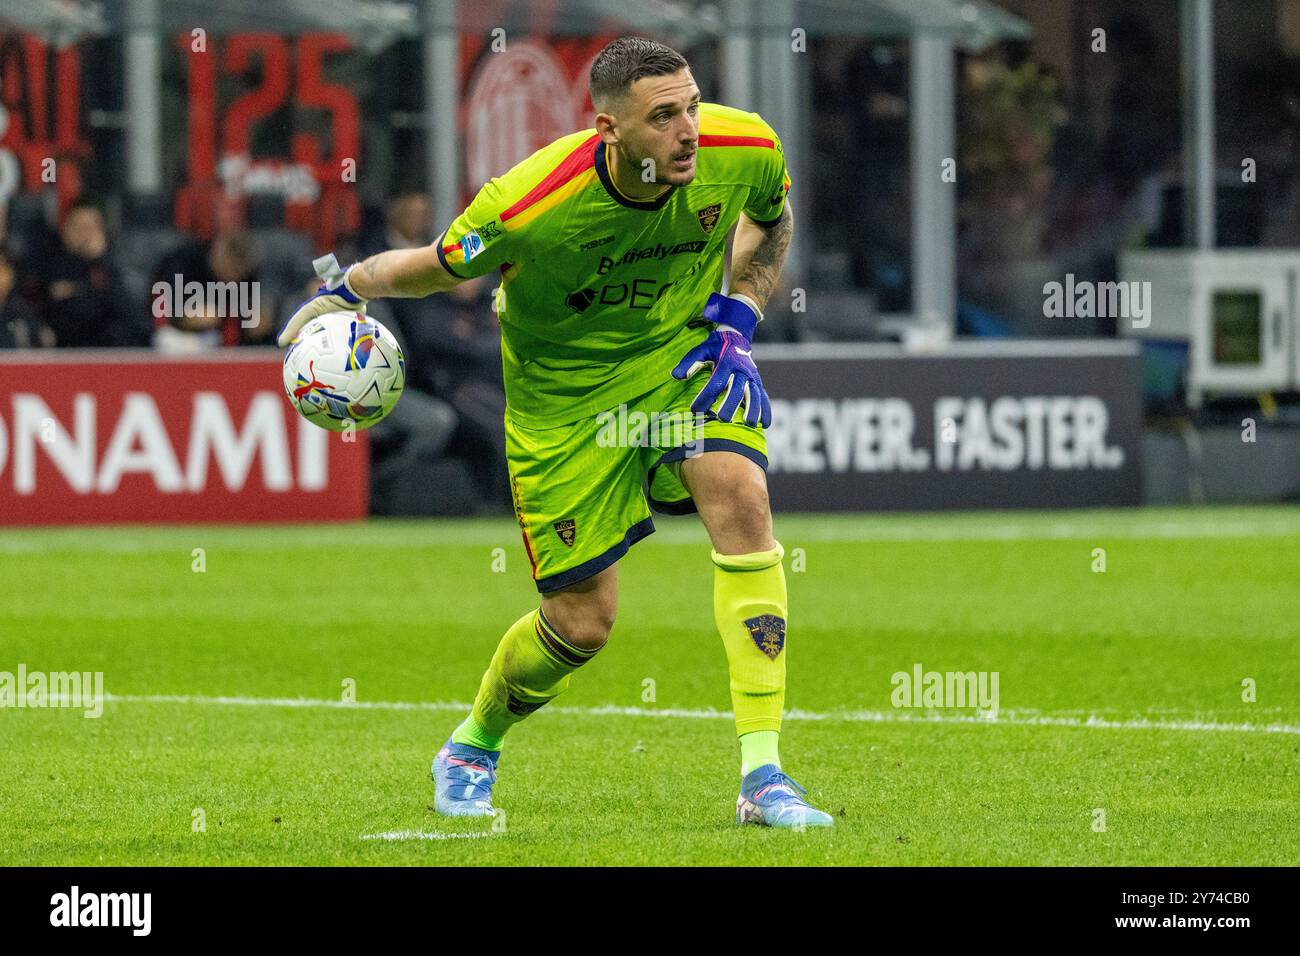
(768, 632)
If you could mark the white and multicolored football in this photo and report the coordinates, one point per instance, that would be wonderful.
(344, 370)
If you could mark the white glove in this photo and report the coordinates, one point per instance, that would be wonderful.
(334, 295)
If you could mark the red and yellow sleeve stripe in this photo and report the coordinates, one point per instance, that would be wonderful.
(573, 174)
(725, 131)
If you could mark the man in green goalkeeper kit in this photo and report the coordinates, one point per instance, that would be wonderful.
(610, 244)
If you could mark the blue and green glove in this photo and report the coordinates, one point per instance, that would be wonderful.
(728, 351)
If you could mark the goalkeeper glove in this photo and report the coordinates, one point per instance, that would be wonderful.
(334, 295)
(728, 350)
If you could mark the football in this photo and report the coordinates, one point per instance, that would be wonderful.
(343, 369)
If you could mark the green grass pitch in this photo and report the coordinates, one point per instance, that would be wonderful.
(1120, 691)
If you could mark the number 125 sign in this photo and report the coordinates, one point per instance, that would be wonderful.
(291, 74)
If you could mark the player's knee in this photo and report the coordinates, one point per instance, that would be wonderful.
(584, 619)
(747, 524)
(593, 630)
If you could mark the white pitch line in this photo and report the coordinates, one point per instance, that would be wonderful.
(421, 835)
(1007, 717)
(669, 532)
(1060, 531)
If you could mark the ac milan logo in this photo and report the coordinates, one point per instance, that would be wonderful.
(518, 100)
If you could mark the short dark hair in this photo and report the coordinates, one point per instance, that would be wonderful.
(626, 60)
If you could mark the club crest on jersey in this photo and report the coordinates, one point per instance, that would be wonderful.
(567, 530)
(471, 245)
(768, 632)
(709, 216)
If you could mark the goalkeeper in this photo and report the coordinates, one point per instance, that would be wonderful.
(611, 245)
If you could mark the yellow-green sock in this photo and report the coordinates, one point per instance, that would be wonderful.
(757, 749)
(469, 732)
(749, 607)
(531, 666)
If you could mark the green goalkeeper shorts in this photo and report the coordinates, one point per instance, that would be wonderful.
(583, 491)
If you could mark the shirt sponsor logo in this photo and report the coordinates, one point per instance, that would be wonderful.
(580, 300)
(656, 252)
(594, 243)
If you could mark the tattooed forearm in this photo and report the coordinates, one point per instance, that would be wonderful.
(402, 273)
(368, 268)
(758, 254)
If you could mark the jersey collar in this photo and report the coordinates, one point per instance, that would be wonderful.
(607, 180)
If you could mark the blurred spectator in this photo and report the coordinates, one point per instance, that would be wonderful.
(454, 352)
(414, 435)
(408, 224)
(19, 326)
(456, 335)
(208, 294)
(78, 290)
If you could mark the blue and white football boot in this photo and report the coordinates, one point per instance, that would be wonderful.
(462, 778)
(769, 798)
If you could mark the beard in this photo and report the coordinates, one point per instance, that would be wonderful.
(635, 160)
